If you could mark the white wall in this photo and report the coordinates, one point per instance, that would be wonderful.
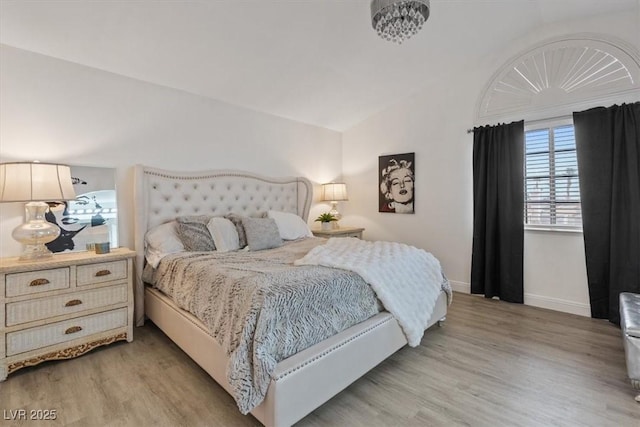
(555, 273)
(433, 124)
(57, 111)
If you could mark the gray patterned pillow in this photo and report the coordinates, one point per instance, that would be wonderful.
(262, 233)
(194, 234)
(237, 221)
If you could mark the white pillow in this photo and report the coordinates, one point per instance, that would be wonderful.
(160, 241)
(290, 226)
(224, 233)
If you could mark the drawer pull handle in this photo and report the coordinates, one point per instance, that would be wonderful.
(73, 330)
(103, 273)
(39, 282)
(73, 302)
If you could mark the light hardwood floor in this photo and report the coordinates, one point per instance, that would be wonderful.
(491, 364)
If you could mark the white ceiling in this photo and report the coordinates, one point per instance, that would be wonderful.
(313, 61)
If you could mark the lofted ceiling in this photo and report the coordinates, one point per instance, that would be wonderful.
(313, 61)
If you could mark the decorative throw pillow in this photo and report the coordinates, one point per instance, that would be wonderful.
(162, 240)
(262, 233)
(224, 233)
(290, 226)
(237, 221)
(194, 234)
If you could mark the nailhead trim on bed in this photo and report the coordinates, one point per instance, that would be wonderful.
(219, 194)
(331, 349)
(313, 359)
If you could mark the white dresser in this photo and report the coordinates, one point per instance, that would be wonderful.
(63, 307)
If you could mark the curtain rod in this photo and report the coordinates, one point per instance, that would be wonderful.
(547, 119)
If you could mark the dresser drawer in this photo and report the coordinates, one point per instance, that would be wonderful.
(36, 281)
(68, 330)
(357, 235)
(101, 272)
(42, 308)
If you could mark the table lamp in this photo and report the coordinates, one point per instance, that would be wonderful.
(35, 183)
(334, 192)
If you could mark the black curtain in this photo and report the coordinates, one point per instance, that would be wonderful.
(608, 147)
(498, 211)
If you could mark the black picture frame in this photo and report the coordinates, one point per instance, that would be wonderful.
(396, 183)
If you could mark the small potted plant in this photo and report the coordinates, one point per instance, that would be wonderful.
(325, 220)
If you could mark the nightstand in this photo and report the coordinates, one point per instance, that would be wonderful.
(64, 306)
(339, 232)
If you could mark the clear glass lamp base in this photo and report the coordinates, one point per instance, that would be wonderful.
(36, 232)
(335, 213)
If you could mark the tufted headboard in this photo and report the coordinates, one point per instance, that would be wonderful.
(161, 195)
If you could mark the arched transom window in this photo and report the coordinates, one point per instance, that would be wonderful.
(561, 72)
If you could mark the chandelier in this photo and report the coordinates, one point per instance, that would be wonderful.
(398, 20)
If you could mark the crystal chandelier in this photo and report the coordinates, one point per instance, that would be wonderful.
(398, 20)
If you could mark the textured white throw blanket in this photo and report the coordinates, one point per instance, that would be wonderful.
(406, 279)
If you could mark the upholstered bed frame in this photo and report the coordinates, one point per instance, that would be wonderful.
(305, 380)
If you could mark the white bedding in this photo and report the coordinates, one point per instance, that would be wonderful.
(407, 280)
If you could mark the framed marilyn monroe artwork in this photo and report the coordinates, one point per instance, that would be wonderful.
(396, 178)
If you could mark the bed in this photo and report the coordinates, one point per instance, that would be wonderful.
(300, 383)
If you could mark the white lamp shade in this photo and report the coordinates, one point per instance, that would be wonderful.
(334, 192)
(24, 182)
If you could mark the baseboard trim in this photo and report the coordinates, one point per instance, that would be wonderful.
(558, 304)
(463, 287)
(541, 301)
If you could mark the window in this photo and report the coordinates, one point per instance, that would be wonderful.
(552, 193)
